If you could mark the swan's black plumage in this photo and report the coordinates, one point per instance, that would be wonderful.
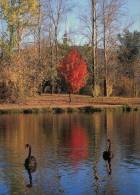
(30, 162)
(30, 165)
(107, 155)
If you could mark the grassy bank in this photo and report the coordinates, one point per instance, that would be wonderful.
(60, 103)
(52, 110)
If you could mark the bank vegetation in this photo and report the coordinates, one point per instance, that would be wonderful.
(34, 41)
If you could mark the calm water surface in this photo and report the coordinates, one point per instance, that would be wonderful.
(68, 149)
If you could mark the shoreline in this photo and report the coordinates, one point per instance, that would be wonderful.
(60, 103)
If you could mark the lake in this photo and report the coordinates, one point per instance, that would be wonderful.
(69, 149)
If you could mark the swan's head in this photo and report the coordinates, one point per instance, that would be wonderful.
(27, 146)
(108, 140)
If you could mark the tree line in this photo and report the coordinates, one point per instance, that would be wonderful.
(34, 42)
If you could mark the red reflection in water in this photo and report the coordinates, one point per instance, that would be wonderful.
(78, 144)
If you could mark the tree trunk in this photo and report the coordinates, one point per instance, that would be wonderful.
(39, 33)
(93, 44)
(104, 47)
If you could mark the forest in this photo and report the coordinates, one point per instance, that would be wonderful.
(40, 54)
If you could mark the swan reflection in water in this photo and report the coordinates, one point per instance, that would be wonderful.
(30, 165)
(29, 185)
(107, 156)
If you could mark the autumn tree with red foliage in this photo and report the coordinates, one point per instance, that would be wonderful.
(73, 69)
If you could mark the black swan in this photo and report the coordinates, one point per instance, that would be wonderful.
(30, 164)
(107, 156)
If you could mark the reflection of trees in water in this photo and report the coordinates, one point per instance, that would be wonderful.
(67, 131)
(58, 131)
(96, 152)
(16, 129)
(79, 144)
(103, 130)
(8, 129)
(74, 131)
(60, 125)
(126, 133)
(8, 125)
(54, 133)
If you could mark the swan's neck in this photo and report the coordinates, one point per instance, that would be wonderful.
(29, 154)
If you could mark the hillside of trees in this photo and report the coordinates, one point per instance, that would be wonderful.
(33, 50)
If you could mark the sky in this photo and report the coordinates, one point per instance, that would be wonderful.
(131, 10)
(72, 22)
(134, 12)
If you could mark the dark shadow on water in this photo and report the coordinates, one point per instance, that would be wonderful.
(109, 168)
(30, 184)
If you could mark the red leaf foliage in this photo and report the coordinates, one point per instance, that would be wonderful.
(74, 70)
